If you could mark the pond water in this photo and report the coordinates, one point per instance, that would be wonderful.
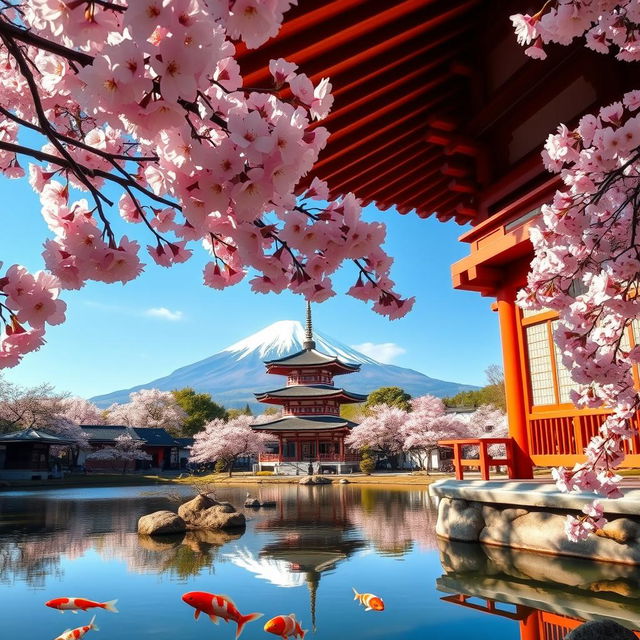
(303, 557)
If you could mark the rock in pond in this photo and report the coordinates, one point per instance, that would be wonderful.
(206, 513)
(600, 630)
(344, 481)
(315, 480)
(251, 503)
(161, 523)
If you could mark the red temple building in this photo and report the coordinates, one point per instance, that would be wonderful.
(310, 432)
(439, 112)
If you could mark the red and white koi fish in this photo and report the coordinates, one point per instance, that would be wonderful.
(80, 604)
(217, 606)
(369, 601)
(285, 627)
(74, 634)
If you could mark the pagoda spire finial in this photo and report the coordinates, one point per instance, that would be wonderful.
(308, 336)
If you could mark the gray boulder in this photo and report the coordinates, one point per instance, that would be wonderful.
(600, 630)
(315, 480)
(344, 481)
(251, 503)
(161, 523)
(205, 513)
(189, 510)
(459, 520)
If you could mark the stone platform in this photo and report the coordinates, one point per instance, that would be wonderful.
(531, 515)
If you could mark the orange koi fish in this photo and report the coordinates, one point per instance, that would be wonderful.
(217, 606)
(80, 604)
(285, 627)
(369, 601)
(74, 634)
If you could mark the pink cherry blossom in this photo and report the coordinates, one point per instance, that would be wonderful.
(145, 113)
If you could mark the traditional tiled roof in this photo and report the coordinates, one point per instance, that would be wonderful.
(156, 436)
(184, 442)
(311, 358)
(299, 423)
(108, 433)
(311, 391)
(33, 435)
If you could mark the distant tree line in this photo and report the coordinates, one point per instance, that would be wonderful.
(182, 412)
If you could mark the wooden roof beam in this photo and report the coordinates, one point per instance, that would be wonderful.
(389, 189)
(357, 114)
(412, 155)
(357, 140)
(376, 160)
(326, 39)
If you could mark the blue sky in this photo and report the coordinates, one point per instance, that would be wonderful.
(119, 336)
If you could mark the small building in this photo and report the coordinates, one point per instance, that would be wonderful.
(310, 433)
(157, 442)
(26, 454)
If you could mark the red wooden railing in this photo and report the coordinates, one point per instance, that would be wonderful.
(484, 462)
(559, 437)
(322, 457)
(489, 606)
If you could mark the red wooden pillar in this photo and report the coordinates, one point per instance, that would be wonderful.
(530, 627)
(457, 460)
(280, 452)
(514, 382)
(484, 460)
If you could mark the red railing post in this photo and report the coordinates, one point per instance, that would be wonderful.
(457, 460)
(484, 460)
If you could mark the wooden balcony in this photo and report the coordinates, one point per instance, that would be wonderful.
(559, 437)
(484, 461)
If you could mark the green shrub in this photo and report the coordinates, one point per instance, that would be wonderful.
(220, 466)
(264, 473)
(367, 465)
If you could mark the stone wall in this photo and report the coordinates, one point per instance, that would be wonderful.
(541, 530)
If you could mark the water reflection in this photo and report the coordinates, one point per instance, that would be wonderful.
(546, 595)
(311, 530)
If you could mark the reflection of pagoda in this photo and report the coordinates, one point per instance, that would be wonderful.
(310, 549)
(311, 429)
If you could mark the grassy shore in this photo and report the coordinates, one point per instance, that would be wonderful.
(238, 478)
(353, 478)
(89, 480)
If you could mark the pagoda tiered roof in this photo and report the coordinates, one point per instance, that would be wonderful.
(305, 423)
(311, 391)
(310, 359)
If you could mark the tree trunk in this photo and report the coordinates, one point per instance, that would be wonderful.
(230, 465)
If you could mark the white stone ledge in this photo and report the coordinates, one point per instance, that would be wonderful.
(532, 493)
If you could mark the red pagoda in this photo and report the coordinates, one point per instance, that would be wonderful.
(310, 432)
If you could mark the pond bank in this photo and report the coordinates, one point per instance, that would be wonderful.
(111, 480)
(355, 478)
(93, 480)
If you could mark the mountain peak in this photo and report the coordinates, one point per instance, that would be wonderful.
(232, 375)
(286, 337)
(278, 339)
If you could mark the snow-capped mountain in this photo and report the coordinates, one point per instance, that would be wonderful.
(235, 373)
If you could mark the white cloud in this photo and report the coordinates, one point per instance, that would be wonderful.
(164, 313)
(384, 352)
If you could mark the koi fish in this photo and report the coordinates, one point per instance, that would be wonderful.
(285, 627)
(80, 604)
(369, 601)
(217, 606)
(74, 634)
